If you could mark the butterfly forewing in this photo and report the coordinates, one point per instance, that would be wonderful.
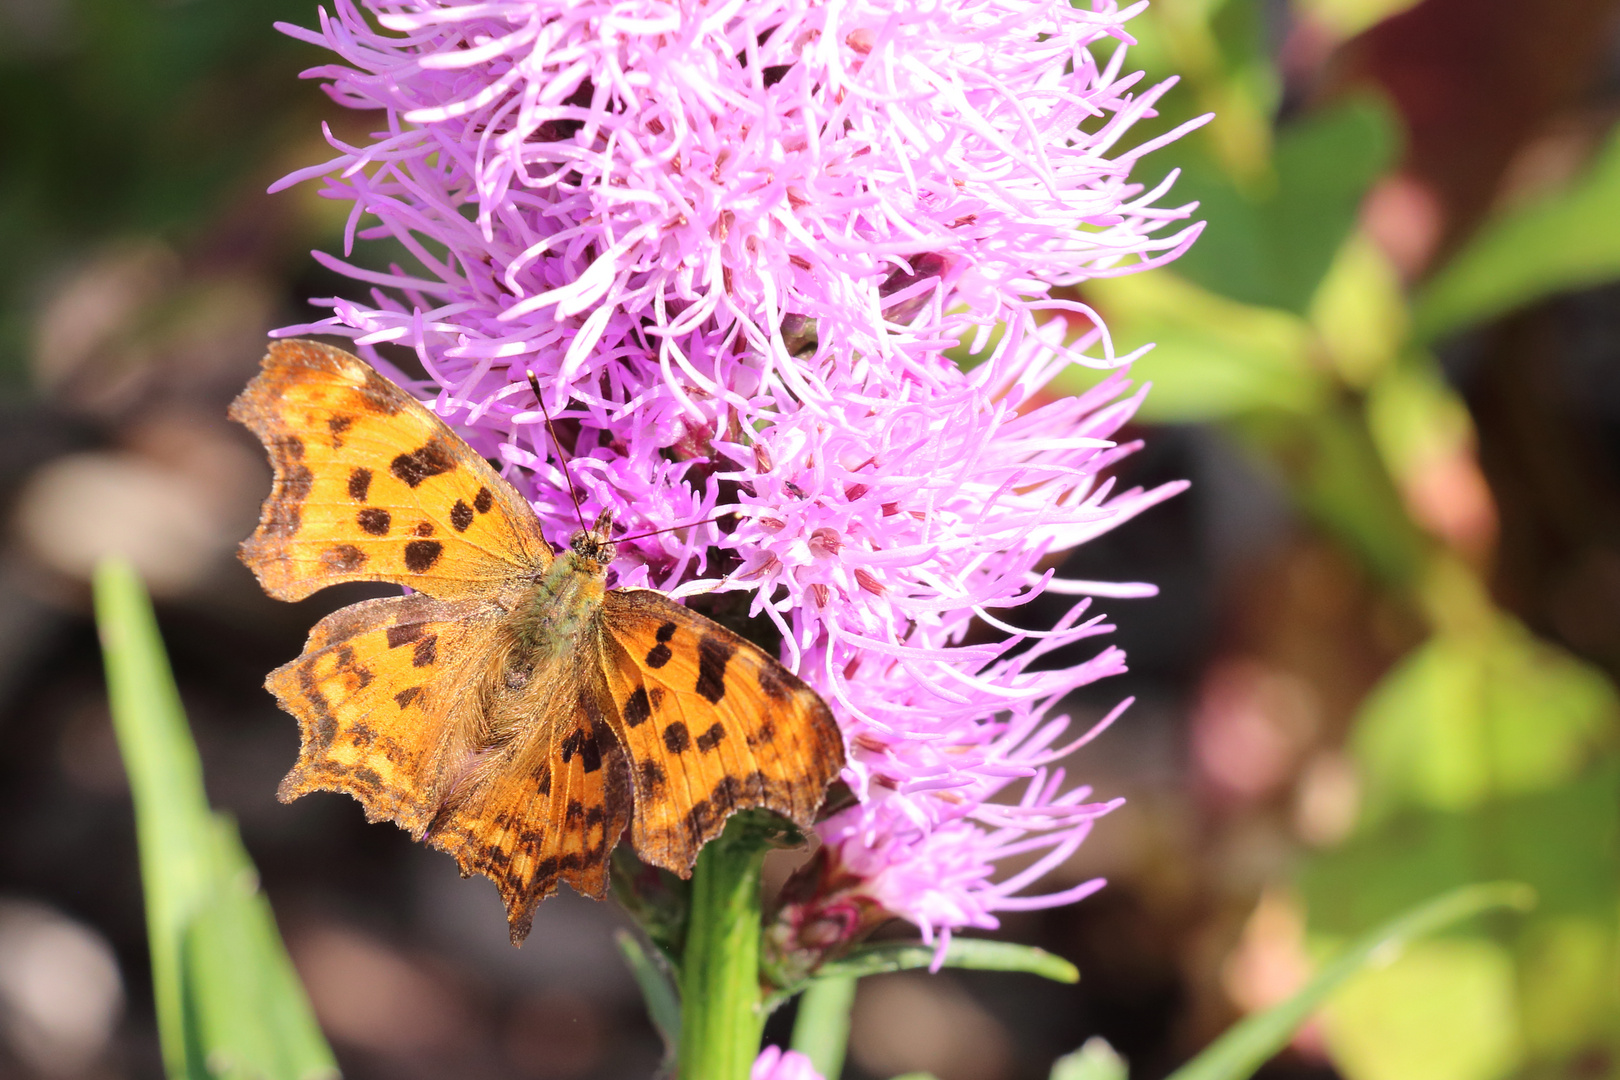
(371, 486)
(711, 725)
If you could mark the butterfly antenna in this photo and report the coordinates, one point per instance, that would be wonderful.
(562, 463)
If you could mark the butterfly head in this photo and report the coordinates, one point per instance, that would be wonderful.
(596, 543)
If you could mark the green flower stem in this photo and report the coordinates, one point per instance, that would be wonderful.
(721, 1018)
(821, 1030)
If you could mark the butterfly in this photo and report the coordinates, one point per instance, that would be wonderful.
(512, 709)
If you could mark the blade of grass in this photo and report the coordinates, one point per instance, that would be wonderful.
(254, 1018)
(1250, 1043)
(227, 1000)
(165, 777)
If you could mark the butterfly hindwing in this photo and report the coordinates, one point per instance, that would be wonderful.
(548, 810)
(371, 486)
(380, 701)
(402, 704)
(710, 723)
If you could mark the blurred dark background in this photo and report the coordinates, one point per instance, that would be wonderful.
(1382, 661)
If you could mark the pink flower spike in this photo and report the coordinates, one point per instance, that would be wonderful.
(737, 245)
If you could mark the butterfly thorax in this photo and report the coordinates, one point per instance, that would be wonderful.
(562, 606)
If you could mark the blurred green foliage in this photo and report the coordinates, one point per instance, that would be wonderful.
(126, 117)
(229, 1005)
(1485, 753)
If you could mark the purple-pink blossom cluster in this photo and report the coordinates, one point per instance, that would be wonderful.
(740, 244)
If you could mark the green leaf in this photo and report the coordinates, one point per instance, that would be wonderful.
(975, 953)
(1564, 842)
(1096, 1060)
(1212, 358)
(1477, 714)
(1443, 1010)
(1347, 18)
(821, 1029)
(1251, 1042)
(1564, 241)
(1272, 249)
(228, 1003)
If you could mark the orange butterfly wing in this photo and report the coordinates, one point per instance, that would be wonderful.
(401, 705)
(379, 697)
(371, 486)
(711, 724)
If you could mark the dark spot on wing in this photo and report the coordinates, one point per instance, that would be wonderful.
(344, 558)
(676, 738)
(337, 425)
(423, 528)
(420, 555)
(426, 651)
(408, 695)
(714, 652)
(774, 680)
(665, 632)
(658, 656)
(359, 484)
(764, 735)
(582, 742)
(325, 722)
(728, 791)
(379, 395)
(404, 634)
(284, 519)
(461, 516)
(699, 819)
(367, 778)
(296, 479)
(652, 777)
(361, 735)
(374, 520)
(298, 484)
(711, 738)
(575, 814)
(637, 707)
(543, 782)
(483, 500)
(418, 465)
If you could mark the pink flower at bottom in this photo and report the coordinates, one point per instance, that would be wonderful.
(774, 1063)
